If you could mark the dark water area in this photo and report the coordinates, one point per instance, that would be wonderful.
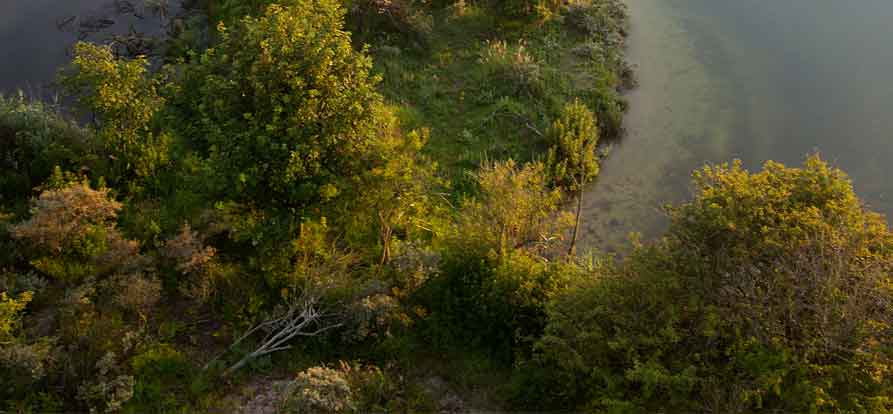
(753, 80)
(36, 36)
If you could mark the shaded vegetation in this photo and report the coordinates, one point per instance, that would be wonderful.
(365, 201)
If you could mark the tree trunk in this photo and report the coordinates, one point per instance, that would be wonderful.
(573, 247)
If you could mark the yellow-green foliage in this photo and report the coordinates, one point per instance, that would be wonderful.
(256, 139)
(22, 363)
(770, 293)
(161, 374)
(9, 315)
(284, 106)
(124, 99)
(541, 9)
(777, 210)
(493, 284)
(573, 159)
(397, 192)
(515, 208)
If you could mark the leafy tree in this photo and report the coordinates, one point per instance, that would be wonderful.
(493, 283)
(123, 100)
(514, 209)
(770, 293)
(573, 159)
(395, 195)
(284, 106)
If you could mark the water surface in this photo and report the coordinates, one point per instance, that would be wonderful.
(748, 79)
(36, 36)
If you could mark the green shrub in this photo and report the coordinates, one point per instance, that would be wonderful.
(603, 19)
(541, 9)
(573, 157)
(770, 293)
(491, 287)
(514, 209)
(513, 68)
(162, 375)
(123, 99)
(497, 305)
(34, 139)
(396, 199)
(354, 388)
(283, 106)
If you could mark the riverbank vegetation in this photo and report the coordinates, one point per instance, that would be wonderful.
(360, 206)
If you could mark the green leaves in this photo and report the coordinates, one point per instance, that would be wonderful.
(9, 315)
(124, 100)
(572, 158)
(770, 293)
(285, 98)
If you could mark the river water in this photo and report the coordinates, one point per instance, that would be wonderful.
(753, 80)
(36, 36)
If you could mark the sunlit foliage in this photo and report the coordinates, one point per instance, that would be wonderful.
(285, 108)
(122, 98)
(771, 292)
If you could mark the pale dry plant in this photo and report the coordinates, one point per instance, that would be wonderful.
(319, 390)
(60, 216)
(513, 64)
(194, 260)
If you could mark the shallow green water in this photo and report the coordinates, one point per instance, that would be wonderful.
(748, 79)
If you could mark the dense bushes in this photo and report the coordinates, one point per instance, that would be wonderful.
(770, 293)
(542, 9)
(33, 140)
(493, 282)
(260, 206)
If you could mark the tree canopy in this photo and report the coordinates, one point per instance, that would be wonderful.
(771, 291)
(284, 106)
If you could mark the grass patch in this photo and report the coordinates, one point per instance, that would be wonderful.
(488, 86)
